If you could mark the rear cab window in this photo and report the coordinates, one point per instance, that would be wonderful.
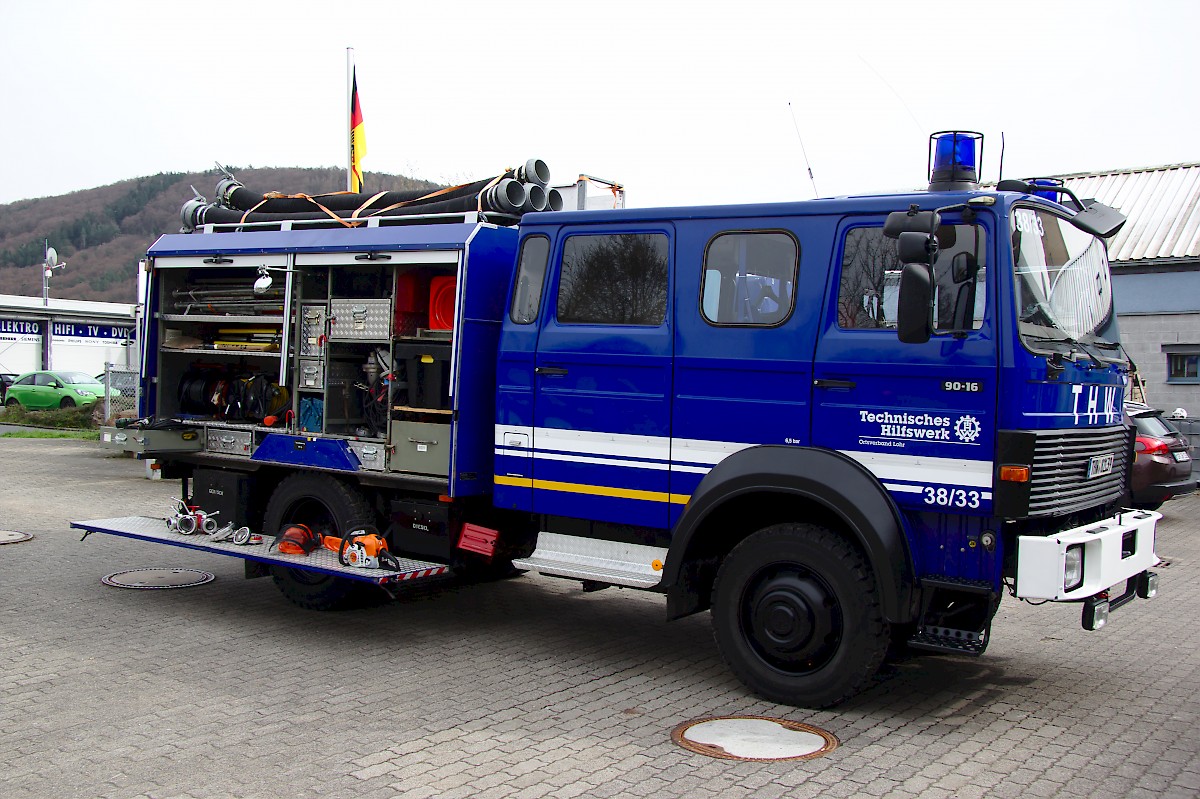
(749, 278)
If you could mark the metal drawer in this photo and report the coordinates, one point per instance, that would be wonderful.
(371, 454)
(360, 320)
(312, 331)
(421, 447)
(230, 442)
(118, 439)
(312, 374)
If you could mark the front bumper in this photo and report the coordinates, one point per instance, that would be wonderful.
(1114, 551)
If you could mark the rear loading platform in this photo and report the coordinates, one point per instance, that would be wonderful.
(320, 561)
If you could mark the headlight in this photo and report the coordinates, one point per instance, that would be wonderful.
(1073, 567)
(83, 393)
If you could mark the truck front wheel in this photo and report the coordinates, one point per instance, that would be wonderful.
(796, 615)
(329, 507)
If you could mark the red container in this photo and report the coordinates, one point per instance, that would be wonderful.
(441, 302)
(412, 302)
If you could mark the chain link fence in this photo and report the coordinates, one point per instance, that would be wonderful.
(122, 393)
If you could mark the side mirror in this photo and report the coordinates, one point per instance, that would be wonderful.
(963, 267)
(914, 312)
(917, 248)
(914, 221)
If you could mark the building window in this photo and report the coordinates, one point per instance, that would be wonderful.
(614, 279)
(1183, 367)
(749, 278)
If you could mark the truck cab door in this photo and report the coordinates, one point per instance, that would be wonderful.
(513, 465)
(921, 417)
(602, 377)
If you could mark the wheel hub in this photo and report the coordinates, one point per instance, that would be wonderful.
(793, 619)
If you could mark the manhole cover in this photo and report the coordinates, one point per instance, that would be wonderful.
(753, 738)
(158, 578)
(13, 537)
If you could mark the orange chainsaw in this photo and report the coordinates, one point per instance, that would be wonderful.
(362, 548)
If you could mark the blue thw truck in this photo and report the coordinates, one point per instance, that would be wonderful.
(843, 425)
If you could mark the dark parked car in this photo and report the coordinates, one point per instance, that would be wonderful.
(1162, 466)
(6, 380)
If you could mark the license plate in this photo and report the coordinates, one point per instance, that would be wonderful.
(1100, 465)
(1181, 457)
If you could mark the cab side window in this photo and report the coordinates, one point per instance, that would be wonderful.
(870, 279)
(749, 278)
(614, 279)
(531, 273)
(44, 380)
(27, 380)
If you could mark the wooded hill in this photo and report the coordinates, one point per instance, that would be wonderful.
(102, 233)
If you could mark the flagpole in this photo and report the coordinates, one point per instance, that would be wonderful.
(347, 117)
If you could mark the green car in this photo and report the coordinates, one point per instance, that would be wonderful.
(40, 390)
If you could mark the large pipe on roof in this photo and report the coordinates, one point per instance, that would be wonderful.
(506, 197)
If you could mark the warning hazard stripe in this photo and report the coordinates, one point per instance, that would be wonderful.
(422, 573)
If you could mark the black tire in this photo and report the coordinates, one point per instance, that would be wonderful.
(66, 402)
(329, 507)
(797, 617)
(12, 402)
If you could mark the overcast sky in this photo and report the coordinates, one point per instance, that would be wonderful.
(684, 103)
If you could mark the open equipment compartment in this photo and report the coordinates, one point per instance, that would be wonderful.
(374, 355)
(220, 365)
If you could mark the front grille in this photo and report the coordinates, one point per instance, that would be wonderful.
(1059, 481)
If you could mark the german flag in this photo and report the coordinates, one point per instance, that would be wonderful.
(358, 138)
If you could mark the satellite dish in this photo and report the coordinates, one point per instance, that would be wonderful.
(51, 257)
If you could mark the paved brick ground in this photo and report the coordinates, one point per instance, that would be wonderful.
(528, 687)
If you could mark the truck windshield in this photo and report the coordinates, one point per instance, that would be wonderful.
(1064, 290)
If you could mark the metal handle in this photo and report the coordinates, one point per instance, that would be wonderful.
(370, 453)
(823, 383)
(550, 370)
(227, 439)
(417, 441)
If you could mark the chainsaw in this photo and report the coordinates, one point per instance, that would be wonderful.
(361, 549)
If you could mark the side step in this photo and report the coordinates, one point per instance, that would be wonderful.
(145, 528)
(595, 560)
(946, 639)
(956, 616)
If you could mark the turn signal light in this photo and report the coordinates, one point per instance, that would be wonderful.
(1014, 474)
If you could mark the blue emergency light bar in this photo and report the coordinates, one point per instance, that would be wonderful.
(954, 159)
(1052, 196)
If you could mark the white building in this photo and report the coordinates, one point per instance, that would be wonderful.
(73, 335)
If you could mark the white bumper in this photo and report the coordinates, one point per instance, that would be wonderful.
(1041, 560)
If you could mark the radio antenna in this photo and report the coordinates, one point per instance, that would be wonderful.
(1001, 177)
(792, 111)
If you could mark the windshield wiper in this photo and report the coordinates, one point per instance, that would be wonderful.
(1062, 337)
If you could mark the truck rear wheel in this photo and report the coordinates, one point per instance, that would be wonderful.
(329, 507)
(796, 615)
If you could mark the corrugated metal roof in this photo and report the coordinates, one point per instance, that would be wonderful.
(1162, 204)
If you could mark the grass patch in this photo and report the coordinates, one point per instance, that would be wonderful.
(56, 419)
(86, 435)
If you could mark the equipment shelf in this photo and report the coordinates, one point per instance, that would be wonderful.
(274, 320)
(322, 561)
(251, 353)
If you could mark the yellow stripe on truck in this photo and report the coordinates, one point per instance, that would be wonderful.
(593, 490)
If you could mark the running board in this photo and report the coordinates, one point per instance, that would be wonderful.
(323, 561)
(595, 560)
